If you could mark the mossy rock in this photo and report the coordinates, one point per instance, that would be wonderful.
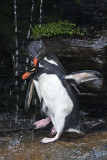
(54, 29)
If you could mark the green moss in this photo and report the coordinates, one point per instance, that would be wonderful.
(53, 29)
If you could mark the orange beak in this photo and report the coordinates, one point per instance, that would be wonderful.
(26, 75)
(35, 61)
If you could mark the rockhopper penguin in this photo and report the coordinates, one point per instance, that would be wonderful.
(58, 98)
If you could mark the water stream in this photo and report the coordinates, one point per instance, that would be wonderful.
(31, 19)
(40, 18)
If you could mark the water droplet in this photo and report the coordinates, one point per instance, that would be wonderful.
(16, 83)
(16, 73)
(22, 88)
(28, 34)
(17, 52)
(35, 101)
(16, 64)
(16, 118)
(10, 92)
(26, 68)
(25, 82)
(17, 97)
(17, 107)
(13, 58)
(27, 59)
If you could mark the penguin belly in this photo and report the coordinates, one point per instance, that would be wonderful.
(56, 98)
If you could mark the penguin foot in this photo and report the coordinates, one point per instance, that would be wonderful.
(53, 131)
(48, 140)
(42, 123)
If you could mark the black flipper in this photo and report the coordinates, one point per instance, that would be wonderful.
(29, 95)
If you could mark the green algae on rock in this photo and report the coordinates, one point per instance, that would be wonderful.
(53, 29)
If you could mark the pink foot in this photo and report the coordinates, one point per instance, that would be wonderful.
(42, 123)
(48, 140)
(53, 131)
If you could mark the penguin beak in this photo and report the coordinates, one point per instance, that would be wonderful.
(27, 74)
(35, 60)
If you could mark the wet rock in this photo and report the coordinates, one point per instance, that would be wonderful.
(26, 145)
(83, 53)
(98, 153)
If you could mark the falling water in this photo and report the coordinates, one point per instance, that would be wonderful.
(32, 8)
(40, 18)
(15, 22)
(15, 56)
(28, 36)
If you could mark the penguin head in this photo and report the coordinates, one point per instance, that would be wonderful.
(36, 49)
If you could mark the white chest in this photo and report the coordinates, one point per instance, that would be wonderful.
(54, 94)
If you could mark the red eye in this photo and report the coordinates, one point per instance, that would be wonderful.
(35, 61)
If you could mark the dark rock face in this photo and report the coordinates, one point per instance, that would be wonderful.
(84, 12)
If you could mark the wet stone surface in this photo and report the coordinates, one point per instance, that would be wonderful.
(25, 145)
